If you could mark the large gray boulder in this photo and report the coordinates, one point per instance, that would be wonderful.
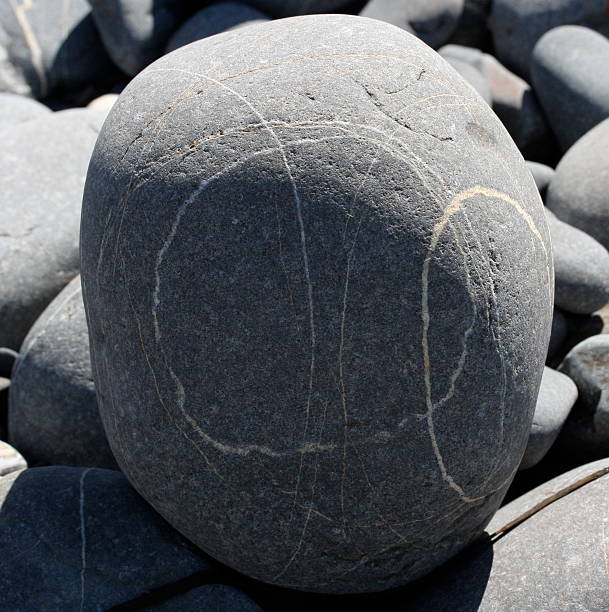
(549, 552)
(517, 25)
(53, 415)
(43, 164)
(433, 21)
(568, 71)
(48, 46)
(577, 193)
(83, 539)
(135, 32)
(581, 268)
(310, 269)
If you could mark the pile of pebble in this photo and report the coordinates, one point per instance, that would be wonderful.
(287, 322)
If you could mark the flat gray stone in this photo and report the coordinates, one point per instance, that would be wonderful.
(581, 268)
(542, 175)
(433, 21)
(557, 395)
(209, 597)
(578, 192)
(512, 98)
(135, 32)
(17, 109)
(11, 460)
(552, 560)
(43, 164)
(586, 431)
(214, 19)
(264, 236)
(46, 47)
(568, 68)
(83, 539)
(517, 26)
(290, 8)
(53, 415)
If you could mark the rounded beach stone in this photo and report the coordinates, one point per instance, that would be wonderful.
(552, 559)
(290, 8)
(10, 459)
(557, 395)
(53, 415)
(103, 103)
(517, 26)
(43, 164)
(17, 109)
(578, 192)
(586, 431)
(48, 46)
(542, 175)
(567, 68)
(581, 268)
(135, 32)
(303, 283)
(83, 539)
(214, 19)
(433, 21)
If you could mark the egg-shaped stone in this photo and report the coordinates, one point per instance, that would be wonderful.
(318, 283)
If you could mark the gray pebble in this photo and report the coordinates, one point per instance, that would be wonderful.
(568, 71)
(214, 19)
(135, 32)
(46, 47)
(581, 268)
(17, 109)
(10, 459)
(53, 415)
(43, 164)
(586, 431)
(517, 26)
(433, 21)
(557, 395)
(246, 225)
(542, 175)
(83, 539)
(578, 192)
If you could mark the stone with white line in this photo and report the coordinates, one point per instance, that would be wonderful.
(310, 269)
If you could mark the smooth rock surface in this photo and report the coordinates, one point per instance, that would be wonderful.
(289, 388)
(48, 46)
(433, 21)
(557, 395)
(209, 597)
(517, 25)
(103, 103)
(586, 431)
(43, 164)
(578, 192)
(83, 539)
(567, 70)
(53, 415)
(214, 19)
(17, 109)
(135, 32)
(581, 268)
(10, 459)
(542, 175)
(553, 560)
(474, 77)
